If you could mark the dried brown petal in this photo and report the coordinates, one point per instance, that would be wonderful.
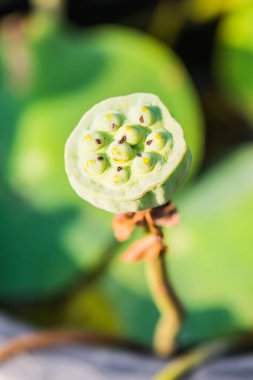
(147, 248)
(122, 228)
(124, 224)
(165, 216)
(153, 252)
(137, 250)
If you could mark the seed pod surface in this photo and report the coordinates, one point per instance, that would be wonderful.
(134, 169)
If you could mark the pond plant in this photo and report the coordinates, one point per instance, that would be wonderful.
(127, 155)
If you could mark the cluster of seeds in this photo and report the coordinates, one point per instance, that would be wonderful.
(118, 147)
(127, 154)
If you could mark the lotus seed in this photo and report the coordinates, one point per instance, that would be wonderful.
(132, 133)
(109, 122)
(156, 141)
(143, 115)
(92, 142)
(144, 164)
(120, 152)
(119, 177)
(95, 165)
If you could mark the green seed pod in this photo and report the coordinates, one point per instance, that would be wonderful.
(129, 173)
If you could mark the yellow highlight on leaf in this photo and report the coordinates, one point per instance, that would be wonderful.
(116, 178)
(128, 127)
(158, 136)
(108, 116)
(144, 109)
(88, 137)
(146, 160)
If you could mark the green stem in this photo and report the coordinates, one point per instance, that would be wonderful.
(167, 303)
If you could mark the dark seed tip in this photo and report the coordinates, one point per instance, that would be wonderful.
(138, 154)
(141, 119)
(98, 141)
(123, 139)
(119, 168)
(149, 142)
(100, 158)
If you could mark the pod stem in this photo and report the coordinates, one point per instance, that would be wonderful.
(167, 303)
(152, 249)
(163, 294)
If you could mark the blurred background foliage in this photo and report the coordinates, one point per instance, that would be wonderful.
(59, 262)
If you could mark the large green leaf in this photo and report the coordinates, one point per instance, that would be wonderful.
(234, 59)
(43, 252)
(210, 262)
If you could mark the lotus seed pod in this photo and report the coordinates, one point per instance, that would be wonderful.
(136, 168)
